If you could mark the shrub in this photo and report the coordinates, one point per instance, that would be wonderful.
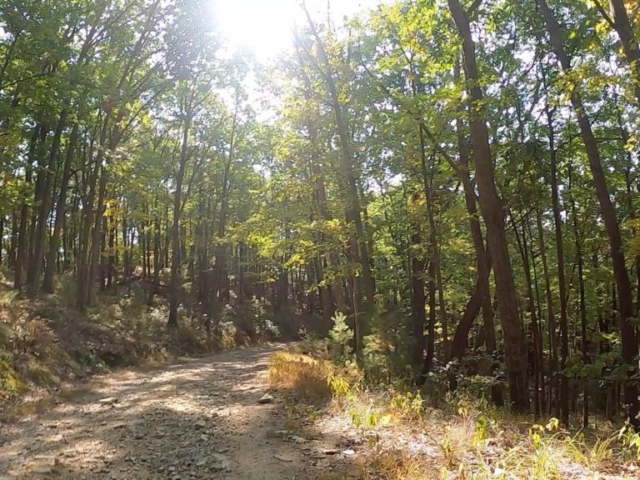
(341, 335)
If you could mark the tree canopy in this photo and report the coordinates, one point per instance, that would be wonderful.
(459, 180)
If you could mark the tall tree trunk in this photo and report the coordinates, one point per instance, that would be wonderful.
(418, 299)
(84, 279)
(535, 327)
(491, 207)
(42, 172)
(13, 246)
(427, 365)
(583, 304)
(621, 22)
(23, 252)
(553, 359)
(353, 208)
(45, 205)
(175, 286)
(47, 284)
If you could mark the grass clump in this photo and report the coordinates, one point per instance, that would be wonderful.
(399, 465)
(306, 376)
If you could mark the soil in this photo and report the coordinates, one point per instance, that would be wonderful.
(198, 419)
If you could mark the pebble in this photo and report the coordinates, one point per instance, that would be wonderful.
(266, 399)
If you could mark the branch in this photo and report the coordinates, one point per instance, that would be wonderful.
(474, 6)
(604, 13)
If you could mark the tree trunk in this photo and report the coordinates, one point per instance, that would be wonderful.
(622, 24)
(418, 299)
(45, 206)
(553, 360)
(49, 273)
(353, 209)
(427, 366)
(23, 252)
(491, 207)
(535, 327)
(42, 172)
(175, 285)
(582, 307)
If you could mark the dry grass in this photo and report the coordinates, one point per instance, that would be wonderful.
(306, 376)
(40, 402)
(399, 465)
(468, 440)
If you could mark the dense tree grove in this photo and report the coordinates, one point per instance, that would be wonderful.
(459, 179)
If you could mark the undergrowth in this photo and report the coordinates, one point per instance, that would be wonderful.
(419, 437)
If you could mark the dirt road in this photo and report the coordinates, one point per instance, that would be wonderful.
(195, 420)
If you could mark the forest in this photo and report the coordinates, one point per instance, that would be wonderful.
(451, 186)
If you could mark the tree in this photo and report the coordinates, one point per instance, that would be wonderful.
(493, 214)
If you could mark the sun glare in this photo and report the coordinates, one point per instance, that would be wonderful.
(265, 26)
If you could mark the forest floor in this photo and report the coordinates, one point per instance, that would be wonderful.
(195, 419)
(268, 413)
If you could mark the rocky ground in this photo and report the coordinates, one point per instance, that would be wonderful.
(200, 419)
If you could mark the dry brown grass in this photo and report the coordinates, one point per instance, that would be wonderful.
(398, 465)
(468, 440)
(306, 376)
(39, 402)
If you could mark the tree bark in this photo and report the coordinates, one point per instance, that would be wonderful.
(491, 207)
(418, 299)
(47, 284)
(175, 284)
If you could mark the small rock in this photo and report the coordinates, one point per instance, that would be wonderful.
(298, 440)
(349, 452)
(223, 462)
(204, 437)
(108, 401)
(283, 458)
(266, 399)
(330, 451)
(200, 425)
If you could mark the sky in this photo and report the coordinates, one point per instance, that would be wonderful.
(264, 26)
